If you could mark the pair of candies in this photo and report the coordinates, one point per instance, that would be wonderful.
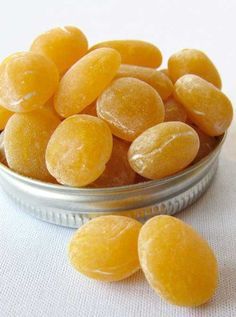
(110, 96)
(177, 262)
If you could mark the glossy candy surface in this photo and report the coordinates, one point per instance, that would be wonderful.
(105, 248)
(163, 150)
(85, 81)
(192, 61)
(27, 81)
(156, 79)
(130, 106)
(78, 150)
(25, 140)
(63, 45)
(134, 52)
(118, 171)
(174, 111)
(206, 106)
(177, 262)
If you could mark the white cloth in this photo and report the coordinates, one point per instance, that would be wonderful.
(36, 279)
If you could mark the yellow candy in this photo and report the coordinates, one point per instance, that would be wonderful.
(206, 105)
(207, 144)
(118, 171)
(78, 150)
(25, 140)
(163, 150)
(177, 262)
(105, 248)
(27, 81)
(156, 79)
(85, 81)
(64, 46)
(192, 61)
(4, 117)
(134, 52)
(174, 111)
(91, 109)
(130, 106)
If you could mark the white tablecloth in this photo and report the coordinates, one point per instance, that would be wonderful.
(36, 279)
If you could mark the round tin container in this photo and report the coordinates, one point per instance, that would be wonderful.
(71, 207)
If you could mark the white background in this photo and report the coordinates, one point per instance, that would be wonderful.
(35, 277)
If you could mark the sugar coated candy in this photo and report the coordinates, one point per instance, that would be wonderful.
(163, 150)
(78, 150)
(206, 106)
(118, 171)
(105, 248)
(134, 52)
(192, 61)
(207, 144)
(177, 262)
(27, 81)
(174, 111)
(63, 45)
(25, 140)
(85, 81)
(4, 117)
(130, 106)
(158, 80)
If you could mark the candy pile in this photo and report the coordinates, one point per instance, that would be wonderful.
(99, 117)
(104, 117)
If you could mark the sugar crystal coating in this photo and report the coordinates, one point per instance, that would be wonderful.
(25, 140)
(27, 81)
(163, 150)
(105, 248)
(134, 52)
(63, 45)
(130, 106)
(78, 150)
(157, 79)
(177, 262)
(206, 106)
(85, 81)
(192, 61)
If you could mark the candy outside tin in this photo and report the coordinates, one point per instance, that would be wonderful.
(72, 207)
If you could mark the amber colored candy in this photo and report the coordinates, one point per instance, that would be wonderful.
(134, 52)
(27, 81)
(105, 248)
(91, 109)
(118, 171)
(25, 140)
(177, 262)
(78, 150)
(206, 106)
(165, 72)
(63, 45)
(4, 117)
(156, 79)
(163, 150)
(85, 81)
(207, 145)
(130, 106)
(192, 61)
(140, 179)
(174, 111)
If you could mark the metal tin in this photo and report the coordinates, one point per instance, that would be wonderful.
(71, 207)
